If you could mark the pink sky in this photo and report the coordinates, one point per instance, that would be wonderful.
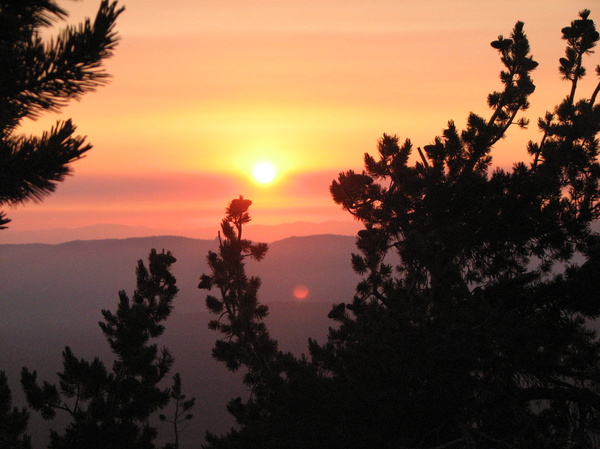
(204, 90)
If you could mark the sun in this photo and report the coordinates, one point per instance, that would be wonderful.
(264, 172)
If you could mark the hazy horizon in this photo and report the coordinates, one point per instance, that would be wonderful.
(256, 232)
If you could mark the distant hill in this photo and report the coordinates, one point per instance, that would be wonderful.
(51, 296)
(94, 232)
(263, 233)
(42, 283)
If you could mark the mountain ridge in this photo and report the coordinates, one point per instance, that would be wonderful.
(262, 232)
(40, 281)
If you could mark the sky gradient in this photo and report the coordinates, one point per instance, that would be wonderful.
(204, 90)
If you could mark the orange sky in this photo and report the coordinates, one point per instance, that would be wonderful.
(203, 90)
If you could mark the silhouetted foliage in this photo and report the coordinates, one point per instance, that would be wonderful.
(38, 76)
(480, 336)
(486, 313)
(180, 414)
(246, 341)
(240, 314)
(13, 422)
(110, 409)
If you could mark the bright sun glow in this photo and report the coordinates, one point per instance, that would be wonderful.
(264, 173)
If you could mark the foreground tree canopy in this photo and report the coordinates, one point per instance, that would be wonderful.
(13, 421)
(481, 335)
(109, 409)
(38, 76)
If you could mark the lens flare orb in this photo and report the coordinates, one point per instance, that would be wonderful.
(301, 292)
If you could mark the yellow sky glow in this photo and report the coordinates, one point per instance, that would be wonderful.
(202, 91)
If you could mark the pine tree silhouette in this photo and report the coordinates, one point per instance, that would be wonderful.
(37, 77)
(110, 409)
(180, 414)
(13, 421)
(480, 336)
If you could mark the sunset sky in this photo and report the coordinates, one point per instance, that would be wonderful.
(202, 91)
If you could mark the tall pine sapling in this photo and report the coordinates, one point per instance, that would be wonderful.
(180, 414)
(289, 401)
(247, 342)
(110, 409)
